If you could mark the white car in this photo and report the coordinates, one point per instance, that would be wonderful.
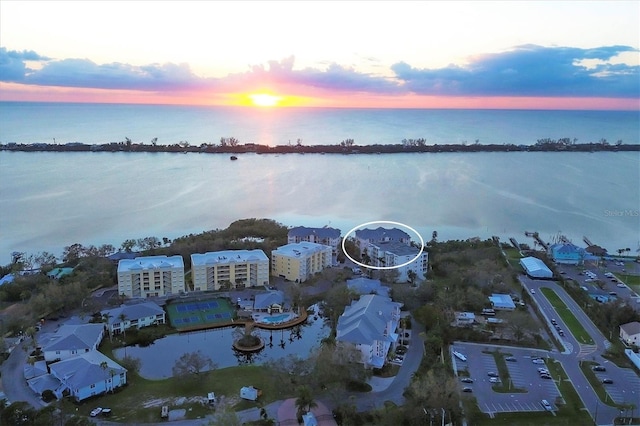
(95, 411)
(546, 405)
(537, 361)
(533, 291)
(621, 285)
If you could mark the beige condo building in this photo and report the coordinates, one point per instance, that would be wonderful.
(229, 268)
(298, 261)
(151, 276)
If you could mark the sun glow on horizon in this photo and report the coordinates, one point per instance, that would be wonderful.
(264, 99)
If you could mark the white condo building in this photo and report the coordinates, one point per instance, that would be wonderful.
(236, 268)
(151, 276)
(391, 253)
(298, 261)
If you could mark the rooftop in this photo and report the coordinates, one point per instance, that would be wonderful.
(132, 312)
(150, 262)
(298, 249)
(380, 234)
(86, 369)
(397, 248)
(325, 232)
(228, 256)
(631, 328)
(365, 320)
(70, 337)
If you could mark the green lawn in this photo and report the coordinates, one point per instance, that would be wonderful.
(505, 386)
(633, 281)
(128, 404)
(567, 316)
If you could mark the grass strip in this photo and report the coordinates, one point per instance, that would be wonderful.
(505, 378)
(597, 385)
(567, 316)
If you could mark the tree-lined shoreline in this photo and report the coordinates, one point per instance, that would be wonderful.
(231, 145)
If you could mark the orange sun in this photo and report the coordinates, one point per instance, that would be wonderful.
(264, 99)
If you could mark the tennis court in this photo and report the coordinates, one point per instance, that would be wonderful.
(200, 313)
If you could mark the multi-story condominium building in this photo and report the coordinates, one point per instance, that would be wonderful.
(298, 261)
(325, 236)
(151, 276)
(366, 237)
(390, 253)
(229, 269)
(370, 325)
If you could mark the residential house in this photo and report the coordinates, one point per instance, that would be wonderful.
(136, 315)
(325, 236)
(465, 319)
(299, 261)
(89, 374)
(236, 268)
(370, 325)
(502, 302)
(71, 340)
(405, 259)
(630, 333)
(151, 276)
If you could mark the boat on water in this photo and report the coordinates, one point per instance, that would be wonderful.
(233, 158)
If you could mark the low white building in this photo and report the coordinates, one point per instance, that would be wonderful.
(394, 254)
(535, 268)
(72, 340)
(370, 325)
(235, 268)
(138, 315)
(630, 333)
(502, 302)
(151, 276)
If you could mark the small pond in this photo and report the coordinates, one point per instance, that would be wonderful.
(158, 359)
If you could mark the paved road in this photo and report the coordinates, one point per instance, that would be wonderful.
(13, 382)
(577, 351)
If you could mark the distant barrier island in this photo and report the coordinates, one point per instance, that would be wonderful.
(233, 146)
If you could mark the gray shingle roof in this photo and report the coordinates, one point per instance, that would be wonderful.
(364, 321)
(133, 312)
(381, 233)
(84, 370)
(264, 300)
(631, 328)
(75, 337)
(303, 231)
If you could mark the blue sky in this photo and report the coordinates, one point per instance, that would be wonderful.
(416, 54)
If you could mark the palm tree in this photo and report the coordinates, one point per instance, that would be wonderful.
(105, 319)
(305, 401)
(123, 318)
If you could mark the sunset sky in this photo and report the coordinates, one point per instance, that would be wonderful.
(533, 55)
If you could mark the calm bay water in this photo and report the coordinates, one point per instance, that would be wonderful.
(51, 200)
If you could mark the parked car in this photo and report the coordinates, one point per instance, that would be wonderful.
(467, 389)
(96, 411)
(533, 291)
(543, 370)
(545, 376)
(537, 361)
(494, 380)
(510, 358)
(598, 368)
(546, 405)
(607, 381)
(466, 380)
(493, 374)
(621, 285)
(560, 332)
(553, 321)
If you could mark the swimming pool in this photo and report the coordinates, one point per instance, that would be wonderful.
(276, 318)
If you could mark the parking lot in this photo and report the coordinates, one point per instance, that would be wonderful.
(523, 374)
(625, 388)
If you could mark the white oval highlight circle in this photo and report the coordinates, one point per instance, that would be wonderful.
(383, 267)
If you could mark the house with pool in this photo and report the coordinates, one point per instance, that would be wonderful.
(370, 324)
